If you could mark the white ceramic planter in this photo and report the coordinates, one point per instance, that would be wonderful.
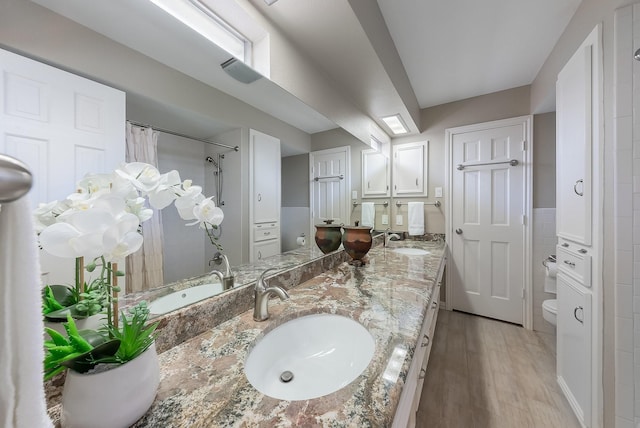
(94, 322)
(112, 399)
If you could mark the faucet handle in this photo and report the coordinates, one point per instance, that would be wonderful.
(260, 284)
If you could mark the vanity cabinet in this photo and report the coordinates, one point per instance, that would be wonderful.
(375, 174)
(264, 188)
(410, 169)
(412, 389)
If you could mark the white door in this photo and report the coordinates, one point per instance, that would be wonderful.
(487, 235)
(62, 126)
(330, 183)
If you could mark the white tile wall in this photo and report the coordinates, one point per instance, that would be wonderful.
(544, 244)
(627, 216)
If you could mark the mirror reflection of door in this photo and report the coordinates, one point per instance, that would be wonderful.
(330, 182)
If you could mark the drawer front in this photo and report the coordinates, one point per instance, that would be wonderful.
(575, 264)
(262, 232)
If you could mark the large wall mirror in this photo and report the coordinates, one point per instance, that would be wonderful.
(161, 91)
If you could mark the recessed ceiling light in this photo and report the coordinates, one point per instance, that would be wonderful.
(396, 124)
(270, 2)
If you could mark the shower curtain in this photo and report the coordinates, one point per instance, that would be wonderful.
(144, 268)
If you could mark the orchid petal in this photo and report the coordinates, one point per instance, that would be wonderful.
(55, 240)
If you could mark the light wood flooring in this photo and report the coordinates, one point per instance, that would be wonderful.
(484, 373)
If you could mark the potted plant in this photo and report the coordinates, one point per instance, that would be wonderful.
(113, 371)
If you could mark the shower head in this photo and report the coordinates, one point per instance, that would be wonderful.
(211, 160)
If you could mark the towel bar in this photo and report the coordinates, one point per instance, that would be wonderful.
(15, 179)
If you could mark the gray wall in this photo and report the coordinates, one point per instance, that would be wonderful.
(544, 160)
(295, 181)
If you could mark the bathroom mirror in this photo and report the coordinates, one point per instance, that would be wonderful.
(171, 96)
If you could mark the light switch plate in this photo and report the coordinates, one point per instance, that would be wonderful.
(385, 218)
(438, 192)
(399, 220)
(354, 194)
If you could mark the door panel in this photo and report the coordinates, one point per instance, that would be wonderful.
(488, 232)
(329, 198)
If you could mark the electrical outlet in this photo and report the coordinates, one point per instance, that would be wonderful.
(385, 218)
(399, 220)
(438, 192)
(354, 194)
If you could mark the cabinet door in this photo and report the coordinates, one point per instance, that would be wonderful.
(375, 174)
(574, 345)
(264, 249)
(576, 101)
(410, 169)
(265, 180)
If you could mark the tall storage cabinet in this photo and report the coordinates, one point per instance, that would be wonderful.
(579, 230)
(264, 188)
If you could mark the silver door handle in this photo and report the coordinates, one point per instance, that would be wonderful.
(575, 314)
(459, 231)
(575, 187)
(423, 373)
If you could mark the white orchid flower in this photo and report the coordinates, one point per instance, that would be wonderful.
(143, 176)
(137, 207)
(167, 190)
(44, 215)
(122, 237)
(186, 203)
(92, 183)
(205, 212)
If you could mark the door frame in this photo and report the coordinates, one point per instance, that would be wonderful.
(347, 182)
(527, 122)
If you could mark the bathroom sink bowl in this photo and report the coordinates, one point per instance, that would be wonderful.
(411, 251)
(182, 298)
(309, 357)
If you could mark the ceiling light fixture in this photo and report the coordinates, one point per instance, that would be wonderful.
(396, 124)
(270, 2)
(240, 71)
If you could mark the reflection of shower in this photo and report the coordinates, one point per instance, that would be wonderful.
(218, 181)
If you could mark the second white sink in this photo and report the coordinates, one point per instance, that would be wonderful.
(309, 357)
(411, 251)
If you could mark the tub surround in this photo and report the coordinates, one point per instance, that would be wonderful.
(202, 379)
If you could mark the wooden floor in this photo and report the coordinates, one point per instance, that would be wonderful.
(484, 373)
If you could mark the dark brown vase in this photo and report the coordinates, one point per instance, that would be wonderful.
(357, 241)
(328, 236)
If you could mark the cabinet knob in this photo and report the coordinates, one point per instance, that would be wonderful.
(565, 245)
(259, 255)
(459, 231)
(426, 341)
(423, 373)
(568, 263)
(582, 251)
(259, 197)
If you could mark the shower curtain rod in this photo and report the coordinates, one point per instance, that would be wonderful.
(166, 131)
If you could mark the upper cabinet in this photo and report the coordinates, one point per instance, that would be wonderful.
(577, 107)
(375, 174)
(410, 169)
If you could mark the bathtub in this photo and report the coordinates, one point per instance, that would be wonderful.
(182, 298)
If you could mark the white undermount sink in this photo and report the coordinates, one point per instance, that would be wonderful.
(407, 251)
(182, 298)
(309, 357)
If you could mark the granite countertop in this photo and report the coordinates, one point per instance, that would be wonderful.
(202, 383)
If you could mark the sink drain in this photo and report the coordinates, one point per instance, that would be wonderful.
(286, 376)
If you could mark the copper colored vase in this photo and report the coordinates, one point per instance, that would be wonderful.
(357, 241)
(328, 236)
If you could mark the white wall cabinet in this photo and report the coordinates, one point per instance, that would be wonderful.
(574, 144)
(410, 169)
(376, 178)
(264, 183)
(579, 195)
(574, 345)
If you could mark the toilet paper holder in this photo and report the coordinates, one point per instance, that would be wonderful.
(550, 259)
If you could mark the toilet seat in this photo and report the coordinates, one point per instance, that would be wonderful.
(550, 310)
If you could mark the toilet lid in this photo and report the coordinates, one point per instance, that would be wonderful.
(551, 305)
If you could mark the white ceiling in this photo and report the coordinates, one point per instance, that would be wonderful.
(457, 49)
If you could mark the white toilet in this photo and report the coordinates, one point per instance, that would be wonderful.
(550, 307)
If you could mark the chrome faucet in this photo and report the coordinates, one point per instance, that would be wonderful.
(227, 277)
(389, 236)
(262, 294)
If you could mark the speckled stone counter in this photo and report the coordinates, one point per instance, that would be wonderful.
(202, 379)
